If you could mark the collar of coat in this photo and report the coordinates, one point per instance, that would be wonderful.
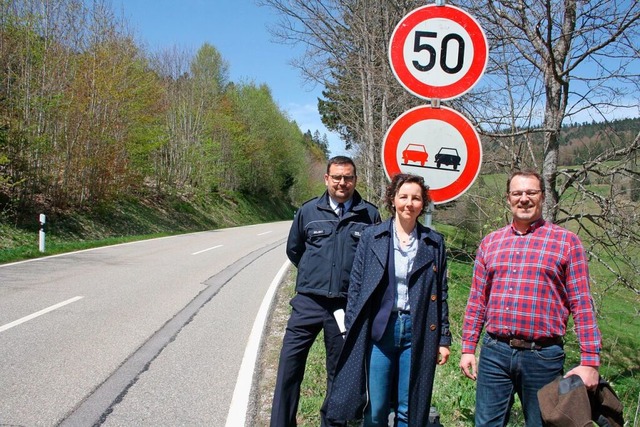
(382, 233)
(423, 232)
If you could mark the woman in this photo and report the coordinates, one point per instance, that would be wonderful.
(397, 317)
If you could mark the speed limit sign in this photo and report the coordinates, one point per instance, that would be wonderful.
(438, 52)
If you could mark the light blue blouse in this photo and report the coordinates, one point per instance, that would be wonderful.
(403, 257)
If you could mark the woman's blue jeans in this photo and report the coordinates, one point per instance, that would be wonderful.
(389, 369)
(504, 372)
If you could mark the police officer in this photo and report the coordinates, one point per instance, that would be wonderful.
(321, 244)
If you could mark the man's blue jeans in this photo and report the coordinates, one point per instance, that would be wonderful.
(389, 369)
(504, 372)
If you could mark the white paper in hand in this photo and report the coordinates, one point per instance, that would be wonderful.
(339, 315)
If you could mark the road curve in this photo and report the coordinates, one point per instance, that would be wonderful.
(151, 333)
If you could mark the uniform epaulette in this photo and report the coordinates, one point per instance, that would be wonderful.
(310, 200)
(369, 203)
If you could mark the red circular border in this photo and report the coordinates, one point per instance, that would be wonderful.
(455, 119)
(415, 86)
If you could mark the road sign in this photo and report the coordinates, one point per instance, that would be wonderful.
(450, 143)
(438, 52)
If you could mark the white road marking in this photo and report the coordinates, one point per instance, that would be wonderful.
(39, 313)
(97, 248)
(240, 400)
(208, 249)
(266, 232)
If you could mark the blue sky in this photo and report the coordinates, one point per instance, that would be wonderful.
(239, 30)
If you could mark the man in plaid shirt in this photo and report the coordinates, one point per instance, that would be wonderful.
(528, 278)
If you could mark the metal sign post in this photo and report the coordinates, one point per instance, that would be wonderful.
(428, 215)
(436, 52)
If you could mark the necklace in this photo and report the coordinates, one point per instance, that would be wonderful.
(405, 239)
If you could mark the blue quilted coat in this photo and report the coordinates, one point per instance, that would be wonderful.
(429, 317)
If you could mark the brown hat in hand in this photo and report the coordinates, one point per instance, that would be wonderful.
(566, 402)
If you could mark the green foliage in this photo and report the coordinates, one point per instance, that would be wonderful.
(4, 179)
(86, 117)
(210, 72)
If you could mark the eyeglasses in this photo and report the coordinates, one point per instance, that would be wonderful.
(347, 178)
(529, 193)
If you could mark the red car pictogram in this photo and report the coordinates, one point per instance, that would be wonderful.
(415, 153)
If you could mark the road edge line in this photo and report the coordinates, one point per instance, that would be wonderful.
(241, 395)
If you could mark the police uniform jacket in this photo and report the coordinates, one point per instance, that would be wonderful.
(322, 246)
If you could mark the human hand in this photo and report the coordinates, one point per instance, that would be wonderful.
(468, 365)
(443, 355)
(589, 375)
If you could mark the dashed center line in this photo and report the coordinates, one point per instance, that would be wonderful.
(208, 249)
(38, 313)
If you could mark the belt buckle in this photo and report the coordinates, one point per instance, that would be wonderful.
(521, 344)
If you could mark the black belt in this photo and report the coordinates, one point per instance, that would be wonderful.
(523, 344)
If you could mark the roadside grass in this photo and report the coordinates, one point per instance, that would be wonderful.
(129, 220)
(454, 395)
(55, 245)
(267, 366)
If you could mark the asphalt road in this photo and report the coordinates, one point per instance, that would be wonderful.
(151, 333)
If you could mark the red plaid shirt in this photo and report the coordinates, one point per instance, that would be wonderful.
(526, 285)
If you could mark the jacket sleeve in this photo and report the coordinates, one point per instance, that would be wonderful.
(445, 327)
(296, 241)
(355, 280)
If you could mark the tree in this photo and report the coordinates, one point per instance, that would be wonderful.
(267, 153)
(346, 52)
(558, 60)
(112, 102)
(551, 62)
(194, 86)
(76, 100)
(87, 117)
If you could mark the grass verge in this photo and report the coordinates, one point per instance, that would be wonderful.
(454, 395)
(128, 220)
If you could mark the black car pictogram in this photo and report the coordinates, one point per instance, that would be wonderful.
(448, 156)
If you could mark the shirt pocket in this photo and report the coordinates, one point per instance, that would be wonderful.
(315, 236)
(355, 235)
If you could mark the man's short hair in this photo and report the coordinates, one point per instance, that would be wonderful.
(526, 172)
(341, 160)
